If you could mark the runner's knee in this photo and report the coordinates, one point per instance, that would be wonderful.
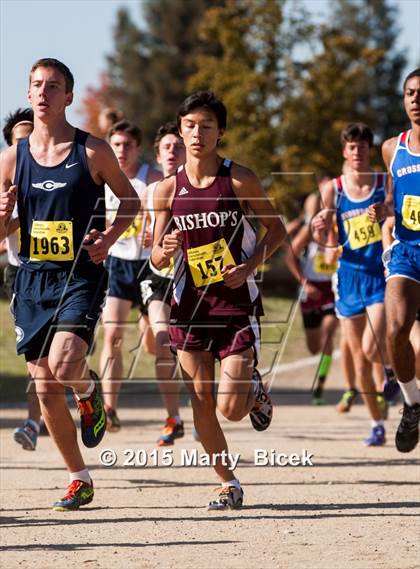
(203, 404)
(371, 350)
(113, 338)
(230, 410)
(398, 333)
(49, 392)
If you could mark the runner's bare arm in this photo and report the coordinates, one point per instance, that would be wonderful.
(7, 189)
(250, 193)
(166, 243)
(13, 226)
(145, 237)
(323, 221)
(387, 229)
(104, 167)
(379, 211)
(296, 247)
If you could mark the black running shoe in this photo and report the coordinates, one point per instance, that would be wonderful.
(92, 417)
(407, 435)
(262, 412)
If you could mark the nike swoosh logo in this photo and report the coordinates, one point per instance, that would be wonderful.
(71, 165)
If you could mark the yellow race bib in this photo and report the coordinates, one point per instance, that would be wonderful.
(52, 241)
(321, 267)
(206, 262)
(168, 272)
(411, 213)
(133, 229)
(362, 232)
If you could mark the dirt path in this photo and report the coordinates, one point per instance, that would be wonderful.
(355, 508)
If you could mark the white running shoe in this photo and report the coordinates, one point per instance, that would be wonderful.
(230, 498)
(262, 412)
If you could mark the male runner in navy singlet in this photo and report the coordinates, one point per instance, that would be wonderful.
(58, 174)
(216, 305)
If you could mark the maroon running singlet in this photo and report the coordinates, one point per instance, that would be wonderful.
(215, 233)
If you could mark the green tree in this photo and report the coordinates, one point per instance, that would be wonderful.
(149, 68)
(254, 41)
(374, 24)
(354, 75)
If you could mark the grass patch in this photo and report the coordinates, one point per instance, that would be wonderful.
(138, 365)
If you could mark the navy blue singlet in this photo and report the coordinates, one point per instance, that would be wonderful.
(57, 206)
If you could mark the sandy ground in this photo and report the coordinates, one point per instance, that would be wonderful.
(355, 508)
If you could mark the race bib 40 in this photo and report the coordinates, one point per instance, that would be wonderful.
(411, 213)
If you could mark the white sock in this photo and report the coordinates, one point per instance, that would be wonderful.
(379, 423)
(82, 475)
(177, 419)
(87, 393)
(34, 425)
(410, 392)
(233, 482)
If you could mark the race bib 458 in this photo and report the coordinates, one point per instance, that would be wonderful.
(362, 232)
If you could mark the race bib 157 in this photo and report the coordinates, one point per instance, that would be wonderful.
(206, 262)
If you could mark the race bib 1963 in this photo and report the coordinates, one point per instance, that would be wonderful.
(52, 241)
(411, 213)
(362, 232)
(206, 262)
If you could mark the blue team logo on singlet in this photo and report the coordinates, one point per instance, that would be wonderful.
(49, 185)
(360, 239)
(405, 170)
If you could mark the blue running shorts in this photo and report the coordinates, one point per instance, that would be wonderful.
(355, 290)
(45, 302)
(402, 260)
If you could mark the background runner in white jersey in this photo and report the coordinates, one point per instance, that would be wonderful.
(130, 246)
(127, 266)
(170, 153)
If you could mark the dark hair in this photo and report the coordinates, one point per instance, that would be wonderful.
(21, 115)
(356, 132)
(167, 128)
(415, 73)
(55, 64)
(126, 127)
(114, 115)
(206, 99)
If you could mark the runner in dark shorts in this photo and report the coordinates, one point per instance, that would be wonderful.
(314, 272)
(58, 174)
(157, 296)
(127, 264)
(203, 219)
(19, 125)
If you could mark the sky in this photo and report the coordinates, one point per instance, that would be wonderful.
(79, 32)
